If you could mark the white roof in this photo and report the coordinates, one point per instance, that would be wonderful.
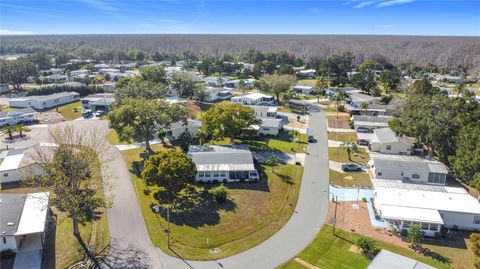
(12, 160)
(384, 135)
(411, 214)
(34, 214)
(254, 96)
(405, 162)
(370, 123)
(390, 260)
(413, 197)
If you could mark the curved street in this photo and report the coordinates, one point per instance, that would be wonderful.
(132, 248)
(130, 243)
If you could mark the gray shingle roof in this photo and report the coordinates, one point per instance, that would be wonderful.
(222, 158)
(11, 206)
(403, 162)
(385, 135)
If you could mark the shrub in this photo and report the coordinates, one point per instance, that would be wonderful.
(341, 108)
(385, 99)
(364, 199)
(219, 193)
(367, 245)
(415, 236)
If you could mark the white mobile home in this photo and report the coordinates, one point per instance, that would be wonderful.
(254, 99)
(385, 141)
(23, 223)
(432, 207)
(177, 128)
(215, 94)
(98, 102)
(271, 124)
(44, 101)
(18, 116)
(223, 163)
(370, 123)
(18, 163)
(304, 89)
(407, 168)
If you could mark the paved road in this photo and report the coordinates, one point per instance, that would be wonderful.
(131, 245)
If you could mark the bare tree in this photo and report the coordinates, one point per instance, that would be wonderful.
(71, 171)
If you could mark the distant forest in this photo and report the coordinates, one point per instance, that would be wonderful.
(442, 51)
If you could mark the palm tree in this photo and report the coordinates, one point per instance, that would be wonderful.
(341, 95)
(272, 161)
(20, 129)
(350, 147)
(294, 134)
(364, 106)
(9, 130)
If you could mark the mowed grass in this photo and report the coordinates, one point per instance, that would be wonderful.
(342, 136)
(113, 138)
(340, 155)
(253, 213)
(349, 179)
(330, 251)
(66, 250)
(460, 254)
(283, 142)
(70, 111)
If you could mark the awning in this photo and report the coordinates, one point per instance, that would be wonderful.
(34, 214)
(410, 214)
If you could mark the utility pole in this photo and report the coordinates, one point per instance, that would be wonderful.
(335, 215)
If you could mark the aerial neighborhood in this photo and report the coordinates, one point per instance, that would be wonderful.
(352, 160)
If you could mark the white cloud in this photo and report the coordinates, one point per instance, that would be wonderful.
(364, 4)
(14, 32)
(167, 21)
(386, 26)
(394, 2)
(101, 5)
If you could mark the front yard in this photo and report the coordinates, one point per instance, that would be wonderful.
(342, 136)
(70, 111)
(349, 179)
(340, 155)
(329, 251)
(252, 213)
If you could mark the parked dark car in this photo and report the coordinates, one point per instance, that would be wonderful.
(363, 130)
(349, 167)
(311, 139)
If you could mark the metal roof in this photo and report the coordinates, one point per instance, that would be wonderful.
(222, 158)
(404, 162)
(34, 214)
(387, 259)
(385, 135)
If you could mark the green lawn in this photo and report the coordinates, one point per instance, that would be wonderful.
(113, 138)
(307, 81)
(293, 108)
(340, 155)
(342, 136)
(253, 212)
(70, 111)
(330, 251)
(349, 179)
(283, 142)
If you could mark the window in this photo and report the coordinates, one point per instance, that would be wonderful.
(389, 147)
(4, 240)
(222, 174)
(406, 224)
(425, 226)
(215, 174)
(415, 176)
(379, 173)
(207, 174)
(5, 174)
(476, 220)
(433, 227)
(437, 178)
(201, 174)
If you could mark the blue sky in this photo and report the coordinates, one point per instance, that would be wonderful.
(391, 17)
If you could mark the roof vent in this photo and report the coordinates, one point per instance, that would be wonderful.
(3, 232)
(10, 223)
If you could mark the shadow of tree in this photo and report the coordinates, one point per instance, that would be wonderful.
(131, 256)
(285, 178)
(434, 255)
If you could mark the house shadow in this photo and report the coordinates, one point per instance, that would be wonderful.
(434, 255)
(285, 178)
(48, 254)
(261, 185)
